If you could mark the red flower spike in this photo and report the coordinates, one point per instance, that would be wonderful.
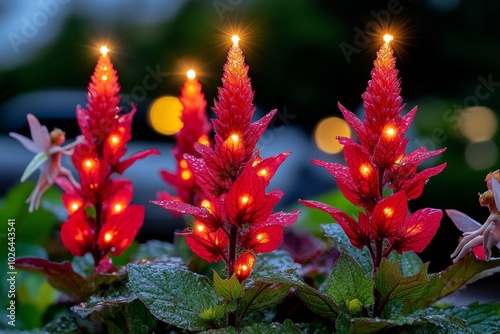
(106, 132)
(234, 108)
(77, 234)
(244, 265)
(380, 160)
(120, 229)
(417, 231)
(388, 215)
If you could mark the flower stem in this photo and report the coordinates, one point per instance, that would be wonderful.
(233, 235)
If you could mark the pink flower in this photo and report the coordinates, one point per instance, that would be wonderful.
(477, 237)
(48, 149)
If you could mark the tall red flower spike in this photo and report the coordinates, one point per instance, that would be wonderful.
(379, 160)
(195, 129)
(101, 219)
(235, 220)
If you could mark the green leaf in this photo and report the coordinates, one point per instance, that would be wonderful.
(336, 234)
(62, 326)
(414, 325)
(392, 285)
(62, 277)
(349, 286)
(230, 289)
(277, 263)
(120, 310)
(214, 313)
(480, 318)
(175, 296)
(274, 328)
(261, 295)
(410, 262)
(467, 270)
(153, 249)
(83, 265)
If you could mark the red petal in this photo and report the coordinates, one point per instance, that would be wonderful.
(268, 167)
(247, 202)
(120, 229)
(355, 124)
(389, 214)
(244, 265)
(124, 164)
(263, 239)
(415, 185)
(208, 245)
(76, 233)
(183, 208)
(344, 180)
(418, 230)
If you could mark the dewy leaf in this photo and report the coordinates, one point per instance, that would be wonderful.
(261, 295)
(230, 289)
(175, 296)
(335, 233)
(62, 325)
(277, 263)
(392, 285)
(349, 285)
(422, 325)
(274, 328)
(467, 270)
(62, 277)
(410, 262)
(480, 318)
(154, 249)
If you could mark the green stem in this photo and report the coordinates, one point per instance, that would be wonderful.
(233, 235)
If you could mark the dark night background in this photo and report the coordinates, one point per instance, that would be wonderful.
(293, 49)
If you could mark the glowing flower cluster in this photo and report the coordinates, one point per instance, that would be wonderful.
(480, 238)
(195, 129)
(236, 220)
(101, 219)
(379, 160)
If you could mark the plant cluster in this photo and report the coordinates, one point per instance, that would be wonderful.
(364, 276)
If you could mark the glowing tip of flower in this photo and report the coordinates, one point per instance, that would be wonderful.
(235, 40)
(75, 206)
(388, 38)
(205, 203)
(200, 227)
(191, 74)
(104, 77)
(104, 50)
(108, 236)
(244, 267)
(262, 172)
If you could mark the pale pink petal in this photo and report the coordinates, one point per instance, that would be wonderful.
(27, 143)
(39, 133)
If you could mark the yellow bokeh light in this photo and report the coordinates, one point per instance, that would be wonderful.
(186, 175)
(479, 124)
(108, 236)
(244, 199)
(327, 131)
(117, 208)
(164, 115)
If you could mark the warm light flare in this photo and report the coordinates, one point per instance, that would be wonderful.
(204, 140)
(104, 50)
(206, 204)
(262, 172)
(108, 236)
(388, 38)
(88, 163)
(117, 208)
(235, 138)
(191, 74)
(365, 170)
(244, 199)
(183, 163)
(199, 227)
(388, 212)
(74, 206)
(104, 77)
(235, 40)
(389, 131)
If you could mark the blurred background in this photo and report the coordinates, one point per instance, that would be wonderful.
(304, 57)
